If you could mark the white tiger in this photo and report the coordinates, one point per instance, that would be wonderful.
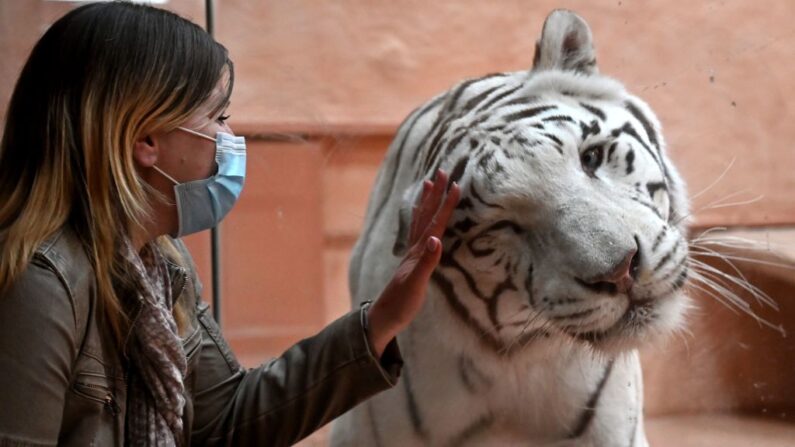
(566, 252)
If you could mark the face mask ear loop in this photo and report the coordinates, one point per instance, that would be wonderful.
(198, 134)
(165, 175)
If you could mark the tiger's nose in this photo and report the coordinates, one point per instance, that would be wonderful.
(619, 279)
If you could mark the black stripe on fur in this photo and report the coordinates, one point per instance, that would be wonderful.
(590, 408)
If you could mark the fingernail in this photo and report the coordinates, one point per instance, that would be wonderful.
(432, 244)
(450, 186)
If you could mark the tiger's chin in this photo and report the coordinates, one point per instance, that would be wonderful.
(642, 323)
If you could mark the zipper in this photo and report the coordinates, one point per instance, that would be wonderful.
(184, 282)
(184, 274)
(111, 405)
(108, 401)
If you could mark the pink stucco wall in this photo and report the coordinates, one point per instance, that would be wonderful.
(719, 74)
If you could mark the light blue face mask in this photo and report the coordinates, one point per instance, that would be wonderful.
(202, 204)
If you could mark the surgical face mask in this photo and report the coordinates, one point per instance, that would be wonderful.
(202, 204)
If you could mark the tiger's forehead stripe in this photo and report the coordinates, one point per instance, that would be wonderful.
(527, 113)
(445, 115)
(499, 97)
(441, 148)
(450, 112)
(599, 113)
(477, 104)
(483, 95)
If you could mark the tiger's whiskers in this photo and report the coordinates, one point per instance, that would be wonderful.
(719, 203)
(719, 284)
(716, 181)
(535, 314)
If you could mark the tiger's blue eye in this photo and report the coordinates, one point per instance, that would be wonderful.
(591, 159)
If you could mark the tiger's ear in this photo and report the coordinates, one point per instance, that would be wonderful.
(566, 44)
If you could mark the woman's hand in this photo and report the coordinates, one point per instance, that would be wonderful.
(403, 297)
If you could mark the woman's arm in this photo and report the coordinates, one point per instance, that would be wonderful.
(321, 377)
(290, 397)
(38, 344)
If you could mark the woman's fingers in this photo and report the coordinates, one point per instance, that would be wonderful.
(403, 297)
(443, 215)
(434, 199)
(416, 231)
(431, 201)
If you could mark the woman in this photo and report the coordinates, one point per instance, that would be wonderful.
(115, 141)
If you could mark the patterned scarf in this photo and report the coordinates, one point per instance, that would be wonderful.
(157, 393)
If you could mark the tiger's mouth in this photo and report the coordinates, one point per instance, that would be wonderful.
(644, 315)
(638, 315)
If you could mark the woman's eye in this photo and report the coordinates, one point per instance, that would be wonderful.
(591, 159)
(223, 118)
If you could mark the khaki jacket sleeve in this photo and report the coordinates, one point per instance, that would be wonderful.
(38, 344)
(290, 397)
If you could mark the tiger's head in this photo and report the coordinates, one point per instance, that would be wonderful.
(572, 218)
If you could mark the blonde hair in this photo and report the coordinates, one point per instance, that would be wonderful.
(66, 157)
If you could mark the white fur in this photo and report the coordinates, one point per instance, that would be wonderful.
(574, 226)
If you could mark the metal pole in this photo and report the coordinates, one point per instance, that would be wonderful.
(209, 7)
(215, 242)
(215, 237)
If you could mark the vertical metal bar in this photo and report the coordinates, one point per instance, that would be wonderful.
(215, 237)
(209, 8)
(215, 242)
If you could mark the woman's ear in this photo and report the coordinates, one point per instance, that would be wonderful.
(145, 151)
